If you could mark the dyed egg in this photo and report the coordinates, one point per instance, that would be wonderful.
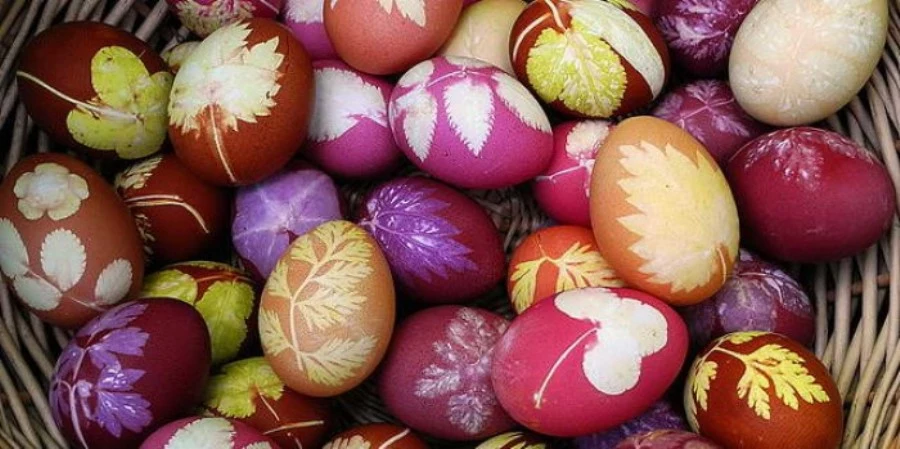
(306, 19)
(327, 311)
(224, 296)
(128, 372)
(589, 58)
(763, 391)
(442, 245)
(562, 190)
(269, 215)
(758, 296)
(662, 212)
(97, 89)
(241, 102)
(553, 260)
(482, 32)
(650, 8)
(708, 111)
(667, 439)
(788, 185)
(249, 391)
(211, 432)
(178, 216)
(661, 416)
(470, 124)
(700, 33)
(436, 377)
(205, 16)
(795, 62)
(515, 440)
(607, 353)
(387, 436)
(349, 135)
(176, 55)
(362, 30)
(57, 217)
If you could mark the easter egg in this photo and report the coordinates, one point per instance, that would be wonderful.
(708, 111)
(241, 102)
(349, 135)
(205, 16)
(562, 190)
(661, 416)
(387, 436)
(763, 391)
(97, 89)
(662, 212)
(436, 377)
(211, 432)
(514, 440)
(667, 439)
(470, 124)
(69, 249)
(224, 296)
(128, 372)
(327, 311)
(269, 215)
(788, 185)
(589, 58)
(386, 37)
(795, 62)
(249, 391)
(306, 19)
(482, 32)
(442, 246)
(553, 260)
(178, 216)
(650, 8)
(607, 353)
(176, 55)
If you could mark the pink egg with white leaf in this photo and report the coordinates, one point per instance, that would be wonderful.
(305, 18)
(205, 16)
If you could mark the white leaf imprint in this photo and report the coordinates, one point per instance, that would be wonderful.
(63, 258)
(414, 10)
(343, 98)
(114, 282)
(37, 293)
(204, 433)
(13, 254)
(470, 110)
(517, 98)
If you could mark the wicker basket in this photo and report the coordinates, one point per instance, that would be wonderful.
(858, 299)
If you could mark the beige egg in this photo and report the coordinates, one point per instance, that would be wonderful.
(483, 32)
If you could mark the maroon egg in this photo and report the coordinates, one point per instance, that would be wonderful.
(380, 435)
(668, 439)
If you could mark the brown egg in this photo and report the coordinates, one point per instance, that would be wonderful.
(179, 216)
(97, 89)
(327, 311)
(241, 103)
(384, 436)
(68, 246)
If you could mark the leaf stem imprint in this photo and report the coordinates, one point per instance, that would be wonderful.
(217, 140)
(539, 395)
(168, 200)
(394, 439)
(115, 113)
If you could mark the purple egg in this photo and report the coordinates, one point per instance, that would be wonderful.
(305, 19)
(271, 214)
(668, 439)
(663, 415)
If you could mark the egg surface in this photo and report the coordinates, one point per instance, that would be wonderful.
(205, 16)
(482, 32)
(667, 439)
(306, 19)
(388, 436)
(211, 432)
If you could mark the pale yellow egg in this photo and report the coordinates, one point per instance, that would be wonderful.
(483, 32)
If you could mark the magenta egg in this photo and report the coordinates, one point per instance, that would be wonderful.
(208, 432)
(662, 415)
(205, 16)
(667, 439)
(305, 18)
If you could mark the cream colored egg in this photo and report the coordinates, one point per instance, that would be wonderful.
(483, 32)
(796, 62)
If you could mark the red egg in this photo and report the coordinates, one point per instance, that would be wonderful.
(218, 433)
(387, 436)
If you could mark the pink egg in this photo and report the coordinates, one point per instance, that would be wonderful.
(206, 432)
(470, 124)
(562, 191)
(436, 377)
(648, 7)
(205, 16)
(305, 19)
(588, 360)
(349, 135)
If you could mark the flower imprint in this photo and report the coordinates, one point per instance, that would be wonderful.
(50, 189)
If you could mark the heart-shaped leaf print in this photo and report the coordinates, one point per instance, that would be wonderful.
(226, 306)
(13, 254)
(63, 258)
(114, 282)
(204, 433)
(517, 98)
(343, 98)
(170, 283)
(470, 111)
(232, 392)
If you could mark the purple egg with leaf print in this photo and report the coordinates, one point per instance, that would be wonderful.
(662, 416)
(305, 18)
(129, 371)
(441, 245)
(269, 215)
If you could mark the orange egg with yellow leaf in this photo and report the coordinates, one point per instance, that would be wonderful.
(662, 212)
(554, 260)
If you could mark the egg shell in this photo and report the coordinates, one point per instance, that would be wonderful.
(562, 190)
(269, 215)
(249, 391)
(441, 244)
(387, 38)
(349, 136)
(759, 296)
(327, 311)
(515, 440)
(650, 8)
(804, 413)
(613, 69)
(389, 436)
(661, 416)
(470, 124)
(788, 185)
(128, 372)
(306, 19)
(668, 439)
(78, 80)
(588, 360)
(662, 212)
(206, 16)
(176, 55)
(56, 219)
(216, 432)
(783, 81)
(553, 260)
(241, 103)
(708, 111)
(178, 216)
(482, 32)
(224, 296)
(430, 348)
